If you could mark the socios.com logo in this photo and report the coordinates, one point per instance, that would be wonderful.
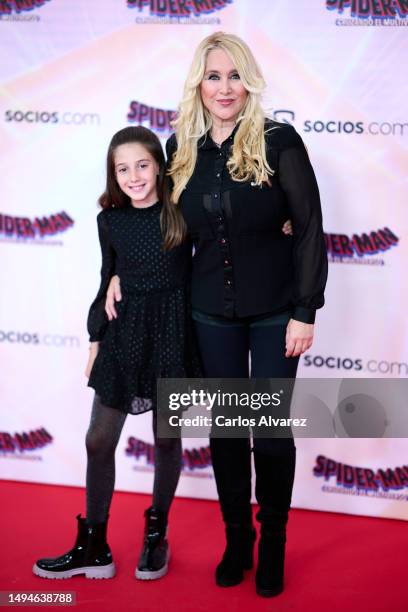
(52, 117)
(369, 12)
(336, 126)
(36, 339)
(179, 8)
(373, 366)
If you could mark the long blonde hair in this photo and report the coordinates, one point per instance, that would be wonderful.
(248, 160)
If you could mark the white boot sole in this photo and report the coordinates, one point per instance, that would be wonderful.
(105, 571)
(140, 575)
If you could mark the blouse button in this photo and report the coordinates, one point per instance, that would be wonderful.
(218, 175)
(223, 241)
(226, 262)
(216, 195)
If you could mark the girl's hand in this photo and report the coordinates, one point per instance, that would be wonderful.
(287, 228)
(93, 351)
(113, 295)
(299, 338)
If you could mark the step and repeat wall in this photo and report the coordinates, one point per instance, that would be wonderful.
(72, 74)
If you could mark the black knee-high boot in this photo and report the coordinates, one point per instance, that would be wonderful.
(273, 490)
(231, 460)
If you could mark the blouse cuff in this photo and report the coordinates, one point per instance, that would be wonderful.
(304, 315)
(95, 337)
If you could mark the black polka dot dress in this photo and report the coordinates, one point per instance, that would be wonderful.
(153, 335)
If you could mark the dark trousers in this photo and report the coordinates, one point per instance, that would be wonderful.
(225, 352)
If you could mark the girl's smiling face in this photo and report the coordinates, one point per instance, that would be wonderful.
(136, 172)
(222, 91)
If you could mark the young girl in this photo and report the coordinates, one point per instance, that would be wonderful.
(142, 240)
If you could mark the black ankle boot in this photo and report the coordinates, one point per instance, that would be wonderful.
(274, 483)
(155, 555)
(90, 555)
(238, 555)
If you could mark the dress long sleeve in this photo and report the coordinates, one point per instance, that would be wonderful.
(97, 317)
(298, 181)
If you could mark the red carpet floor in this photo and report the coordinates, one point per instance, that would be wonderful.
(334, 561)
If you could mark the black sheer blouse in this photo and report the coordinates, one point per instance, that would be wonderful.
(243, 264)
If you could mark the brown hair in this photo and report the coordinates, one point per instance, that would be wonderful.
(171, 221)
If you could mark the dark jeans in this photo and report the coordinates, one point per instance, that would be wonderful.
(225, 345)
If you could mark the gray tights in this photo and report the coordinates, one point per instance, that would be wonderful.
(101, 441)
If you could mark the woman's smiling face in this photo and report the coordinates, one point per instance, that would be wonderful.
(222, 91)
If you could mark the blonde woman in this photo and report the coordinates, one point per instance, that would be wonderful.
(236, 176)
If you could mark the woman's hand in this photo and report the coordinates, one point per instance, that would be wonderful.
(299, 338)
(287, 228)
(93, 351)
(113, 295)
